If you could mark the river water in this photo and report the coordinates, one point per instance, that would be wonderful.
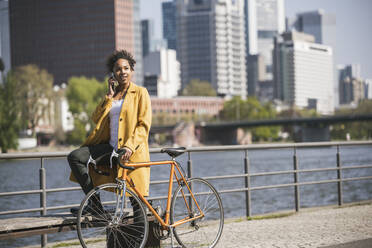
(19, 175)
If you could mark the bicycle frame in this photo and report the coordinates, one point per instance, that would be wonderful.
(180, 180)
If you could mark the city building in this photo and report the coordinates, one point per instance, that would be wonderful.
(322, 26)
(162, 73)
(169, 24)
(250, 24)
(319, 24)
(74, 38)
(264, 19)
(266, 91)
(157, 44)
(368, 88)
(352, 88)
(211, 44)
(278, 59)
(303, 72)
(256, 73)
(4, 36)
(63, 118)
(147, 29)
(187, 105)
(136, 16)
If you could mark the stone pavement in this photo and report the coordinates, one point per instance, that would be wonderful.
(328, 227)
(331, 227)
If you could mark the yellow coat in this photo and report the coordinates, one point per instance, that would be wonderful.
(134, 126)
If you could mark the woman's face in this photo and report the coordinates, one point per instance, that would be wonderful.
(122, 71)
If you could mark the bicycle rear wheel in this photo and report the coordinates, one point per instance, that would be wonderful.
(202, 232)
(99, 226)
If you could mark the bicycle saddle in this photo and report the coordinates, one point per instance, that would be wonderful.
(174, 152)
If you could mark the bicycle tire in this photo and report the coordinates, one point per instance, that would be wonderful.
(204, 232)
(97, 228)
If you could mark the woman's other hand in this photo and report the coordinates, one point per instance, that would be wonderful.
(127, 154)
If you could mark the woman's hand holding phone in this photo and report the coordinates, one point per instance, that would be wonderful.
(111, 86)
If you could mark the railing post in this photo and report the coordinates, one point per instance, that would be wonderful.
(339, 177)
(43, 198)
(189, 175)
(295, 175)
(189, 165)
(247, 180)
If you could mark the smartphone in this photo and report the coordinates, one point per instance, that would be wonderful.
(115, 84)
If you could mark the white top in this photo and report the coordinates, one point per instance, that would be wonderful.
(114, 122)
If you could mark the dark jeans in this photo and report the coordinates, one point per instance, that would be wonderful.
(78, 160)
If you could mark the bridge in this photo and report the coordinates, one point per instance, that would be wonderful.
(311, 128)
(328, 120)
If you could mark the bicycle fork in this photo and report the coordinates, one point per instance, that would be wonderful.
(121, 202)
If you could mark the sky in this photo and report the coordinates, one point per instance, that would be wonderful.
(353, 26)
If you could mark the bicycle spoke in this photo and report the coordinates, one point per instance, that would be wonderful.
(204, 231)
(96, 232)
(210, 207)
(102, 228)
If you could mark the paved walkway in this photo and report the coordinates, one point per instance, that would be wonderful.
(328, 227)
(323, 227)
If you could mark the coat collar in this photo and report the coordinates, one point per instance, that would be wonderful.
(132, 87)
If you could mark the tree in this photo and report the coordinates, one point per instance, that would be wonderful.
(83, 95)
(199, 88)
(237, 109)
(362, 130)
(78, 135)
(35, 88)
(9, 114)
(356, 130)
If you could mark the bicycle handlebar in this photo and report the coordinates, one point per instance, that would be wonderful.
(117, 160)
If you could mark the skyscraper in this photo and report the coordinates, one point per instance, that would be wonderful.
(256, 71)
(169, 24)
(4, 36)
(323, 27)
(74, 38)
(137, 36)
(351, 86)
(264, 19)
(319, 24)
(270, 22)
(250, 12)
(162, 73)
(304, 72)
(368, 88)
(147, 29)
(211, 44)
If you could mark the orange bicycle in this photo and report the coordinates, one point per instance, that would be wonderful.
(194, 214)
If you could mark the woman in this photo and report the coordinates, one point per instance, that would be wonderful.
(123, 120)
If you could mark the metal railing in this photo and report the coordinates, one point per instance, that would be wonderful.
(296, 171)
(43, 208)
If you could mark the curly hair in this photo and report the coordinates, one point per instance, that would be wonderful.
(120, 54)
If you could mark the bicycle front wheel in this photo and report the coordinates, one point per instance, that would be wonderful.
(101, 222)
(202, 232)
